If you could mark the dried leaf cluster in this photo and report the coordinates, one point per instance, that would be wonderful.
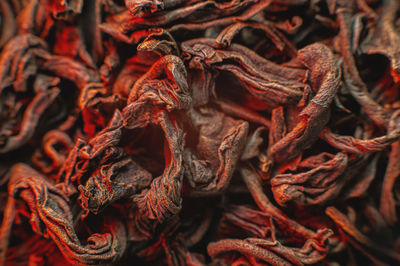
(199, 132)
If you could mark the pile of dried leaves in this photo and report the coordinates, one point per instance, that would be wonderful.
(199, 132)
